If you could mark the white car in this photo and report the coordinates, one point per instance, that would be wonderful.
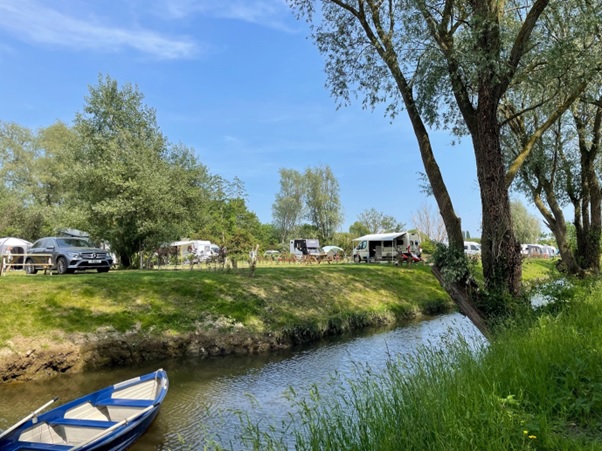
(472, 248)
(271, 254)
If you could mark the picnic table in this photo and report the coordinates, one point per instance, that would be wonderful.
(11, 260)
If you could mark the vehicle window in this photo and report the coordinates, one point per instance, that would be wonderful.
(37, 244)
(72, 242)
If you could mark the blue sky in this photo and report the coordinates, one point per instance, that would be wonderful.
(237, 80)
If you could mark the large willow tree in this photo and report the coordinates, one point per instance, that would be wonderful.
(451, 63)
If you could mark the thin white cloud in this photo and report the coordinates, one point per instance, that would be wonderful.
(30, 21)
(268, 13)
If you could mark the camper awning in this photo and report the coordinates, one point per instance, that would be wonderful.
(380, 236)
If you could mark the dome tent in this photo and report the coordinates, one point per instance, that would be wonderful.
(18, 245)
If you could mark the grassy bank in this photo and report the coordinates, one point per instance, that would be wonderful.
(536, 386)
(284, 299)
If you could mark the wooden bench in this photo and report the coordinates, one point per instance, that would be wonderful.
(7, 265)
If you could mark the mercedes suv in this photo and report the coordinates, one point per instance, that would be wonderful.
(66, 255)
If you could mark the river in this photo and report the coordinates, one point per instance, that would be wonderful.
(206, 396)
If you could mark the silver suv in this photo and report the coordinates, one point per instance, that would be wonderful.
(66, 255)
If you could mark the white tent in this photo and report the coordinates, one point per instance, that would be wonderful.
(18, 246)
(333, 250)
(13, 242)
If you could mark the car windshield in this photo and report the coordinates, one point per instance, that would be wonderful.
(72, 242)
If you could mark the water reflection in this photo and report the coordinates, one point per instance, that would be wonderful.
(205, 395)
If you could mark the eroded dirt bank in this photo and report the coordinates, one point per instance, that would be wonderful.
(28, 359)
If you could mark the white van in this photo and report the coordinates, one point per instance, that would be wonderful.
(472, 248)
(302, 246)
(379, 247)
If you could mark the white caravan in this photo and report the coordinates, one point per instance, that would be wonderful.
(197, 250)
(379, 247)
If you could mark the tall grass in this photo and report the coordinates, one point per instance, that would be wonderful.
(537, 386)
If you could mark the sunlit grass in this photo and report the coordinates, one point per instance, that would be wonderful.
(277, 299)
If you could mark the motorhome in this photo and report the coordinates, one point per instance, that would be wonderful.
(301, 247)
(380, 247)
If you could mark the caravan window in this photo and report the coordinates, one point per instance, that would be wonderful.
(361, 245)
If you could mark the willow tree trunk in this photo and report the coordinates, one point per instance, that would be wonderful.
(500, 250)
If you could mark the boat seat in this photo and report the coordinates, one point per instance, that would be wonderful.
(36, 446)
(82, 423)
(125, 402)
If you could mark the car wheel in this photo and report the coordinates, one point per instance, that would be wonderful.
(61, 265)
(29, 268)
(357, 259)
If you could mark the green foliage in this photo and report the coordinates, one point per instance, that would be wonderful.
(377, 222)
(35, 190)
(455, 266)
(121, 176)
(323, 201)
(313, 195)
(358, 229)
(428, 246)
(526, 226)
(288, 208)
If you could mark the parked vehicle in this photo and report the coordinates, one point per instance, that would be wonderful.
(67, 255)
(472, 248)
(273, 254)
(302, 246)
(379, 247)
(110, 419)
(197, 250)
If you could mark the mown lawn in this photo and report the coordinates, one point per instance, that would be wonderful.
(279, 297)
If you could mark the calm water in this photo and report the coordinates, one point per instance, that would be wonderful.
(205, 395)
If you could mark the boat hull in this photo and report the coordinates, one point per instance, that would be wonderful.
(113, 418)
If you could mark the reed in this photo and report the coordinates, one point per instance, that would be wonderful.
(538, 385)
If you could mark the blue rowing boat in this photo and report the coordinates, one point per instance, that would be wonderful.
(109, 419)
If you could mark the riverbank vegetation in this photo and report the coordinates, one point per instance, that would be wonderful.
(538, 385)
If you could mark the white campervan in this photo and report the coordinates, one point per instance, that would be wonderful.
(379, 247)
(301, 247)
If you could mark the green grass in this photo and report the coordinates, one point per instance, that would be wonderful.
(538, 385)
(279, 299)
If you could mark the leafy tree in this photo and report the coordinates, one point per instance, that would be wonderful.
(358, 229)
(377, 222)
(324, 210)
(564, 169)
(452, 63)
(526, 226)
(288, 208)
(34, 169)
(123, 182)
